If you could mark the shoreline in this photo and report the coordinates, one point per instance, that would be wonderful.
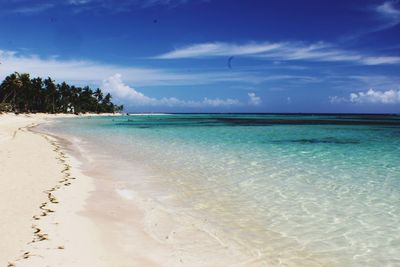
(143, 232)
(21, 186)
(84, 219)
(43, 200)
(47, 199)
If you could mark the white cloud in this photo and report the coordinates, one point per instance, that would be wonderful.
(388, 9)
(121, 6)
(337, 99)
(374, 96)
(29, 7)
(369, 97)
(281, 51)
(390, 13)
(380, 60)
(385, 15)
(79, 2)
(254, 100)
(32, 9)
(123, 92)
(85, 71)
(219, 49)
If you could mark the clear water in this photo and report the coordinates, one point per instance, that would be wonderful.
(290, 190)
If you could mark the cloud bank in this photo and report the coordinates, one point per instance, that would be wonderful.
(370, 97)
(373, 96)
(123, 92)
(86, 71)
(283, 51)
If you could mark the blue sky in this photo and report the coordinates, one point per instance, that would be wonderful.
(213, 55)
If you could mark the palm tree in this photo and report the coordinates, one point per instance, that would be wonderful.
(51, 91)
(11, 86)
(24, 102)
(106, 104)
(98, 94)
(38, 94)
(64, 94)
(75, 92)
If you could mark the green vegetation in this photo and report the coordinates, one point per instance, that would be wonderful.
(20, 93)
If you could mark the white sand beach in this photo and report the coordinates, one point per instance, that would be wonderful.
(34, 183)
(54, 214)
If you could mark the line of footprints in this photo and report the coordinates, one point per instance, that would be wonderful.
(38, 234)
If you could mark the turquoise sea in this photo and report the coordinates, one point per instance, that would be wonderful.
(290, 190)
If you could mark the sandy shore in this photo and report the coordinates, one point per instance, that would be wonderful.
(40, 200)
(27, 168)
(55, 213)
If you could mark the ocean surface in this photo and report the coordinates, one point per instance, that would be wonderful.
(288, 190)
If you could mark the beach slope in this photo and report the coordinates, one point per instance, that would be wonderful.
(28, 167)
(40, 222)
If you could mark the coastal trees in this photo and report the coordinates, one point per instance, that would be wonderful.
(107, 104)
(37, 92)
(64, 97)
(24, 92)
(98, 94)
(51, 95)
(9, 89)
(20, 93)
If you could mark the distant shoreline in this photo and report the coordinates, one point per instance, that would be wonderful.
(266, 113)
(58, 115)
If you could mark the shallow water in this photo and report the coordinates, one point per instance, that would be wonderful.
(289, 190)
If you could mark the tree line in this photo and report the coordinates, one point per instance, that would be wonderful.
(20, 93)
